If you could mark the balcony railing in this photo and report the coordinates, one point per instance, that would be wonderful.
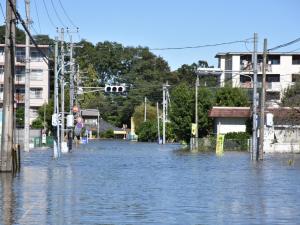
(249, 67)
(270, 86)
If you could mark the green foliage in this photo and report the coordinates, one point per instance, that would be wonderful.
(147, 131)
(237, 135)
(205, 103)
(20, 35)
(181, 113)
(107, 134)
(20, 116)
(138, 114)
(228, 96)
(110, 62)
(37, 124)
(291, 96)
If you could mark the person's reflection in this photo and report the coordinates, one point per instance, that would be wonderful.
(7, 199)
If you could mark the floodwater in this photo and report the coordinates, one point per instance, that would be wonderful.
(118, 182)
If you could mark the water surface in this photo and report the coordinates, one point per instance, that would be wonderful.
(116, 182)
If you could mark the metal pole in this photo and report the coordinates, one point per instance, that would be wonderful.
(8, 92)
(27, 81)
(254, 98)
(196, 111)
(164, 115)
(72, 75)
(145, 110)
(62, 80)
(98, 124)
(158, 127)
(56, 105)
(262, 104)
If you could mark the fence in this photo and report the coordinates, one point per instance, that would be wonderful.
(209, 144)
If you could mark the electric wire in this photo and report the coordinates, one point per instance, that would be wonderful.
(285, 44)
(200, 46)
(37, 15)
(66, 14)
(18, 17)
(57, 14)
(48, 15)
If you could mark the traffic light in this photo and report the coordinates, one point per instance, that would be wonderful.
(115, 88)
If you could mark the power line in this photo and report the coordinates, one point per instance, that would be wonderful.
(38, 17)
(57, 14)
(200, 46)
(18, 16)
(66, 14)
(284, 45)
(48, 15)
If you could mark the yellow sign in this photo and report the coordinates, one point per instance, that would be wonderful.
(194, 128)
(220, 144)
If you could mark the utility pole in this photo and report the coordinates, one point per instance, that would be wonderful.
(62, 80)
(72, 65)
(145, 110)
(27, 81)
(254, 99)
(262, 103)
(196, 111)
(158, 127)
(56, 105)
(8, 92)
(164, 115)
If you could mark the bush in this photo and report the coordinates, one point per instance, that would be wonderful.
(108, 134)
(237, 135)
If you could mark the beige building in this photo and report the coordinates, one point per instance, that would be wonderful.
(39, 78)
(283, 69)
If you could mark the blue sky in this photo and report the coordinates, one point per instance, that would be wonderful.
(175, 23)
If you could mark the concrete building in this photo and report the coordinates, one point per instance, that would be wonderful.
(39, 78)
(282, 129)
(283, 69)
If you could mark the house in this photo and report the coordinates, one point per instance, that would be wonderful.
(282, 129)
(236, 69)
(39, 77)
(229, 119)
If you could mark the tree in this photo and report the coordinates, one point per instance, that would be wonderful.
(181, 113)
(20, 116)
(228, 96)
(205, 103)
(138, 114)
(291, 96)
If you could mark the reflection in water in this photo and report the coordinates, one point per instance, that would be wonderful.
(110, 182)
(7, 199)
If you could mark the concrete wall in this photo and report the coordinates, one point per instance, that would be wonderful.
(227, 125)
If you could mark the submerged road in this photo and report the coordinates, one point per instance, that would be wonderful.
(118, 182)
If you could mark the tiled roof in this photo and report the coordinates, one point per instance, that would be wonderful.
(282, 115)
(230, 112)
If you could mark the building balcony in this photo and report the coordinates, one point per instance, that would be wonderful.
(270, 86)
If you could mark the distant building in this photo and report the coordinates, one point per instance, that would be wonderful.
(283, 69)
(39, 78)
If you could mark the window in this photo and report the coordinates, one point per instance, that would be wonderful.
(272, 95)
(1, 51)
(35, 55)
(36, 92)
(273, 78)
(36, 74)
(1, 70)
(20, 54)
(274, 59)
(296, 59)
(296, 77)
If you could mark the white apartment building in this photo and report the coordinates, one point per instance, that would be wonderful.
(283, 69)
(39, 77)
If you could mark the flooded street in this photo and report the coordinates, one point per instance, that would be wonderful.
(116, 182)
